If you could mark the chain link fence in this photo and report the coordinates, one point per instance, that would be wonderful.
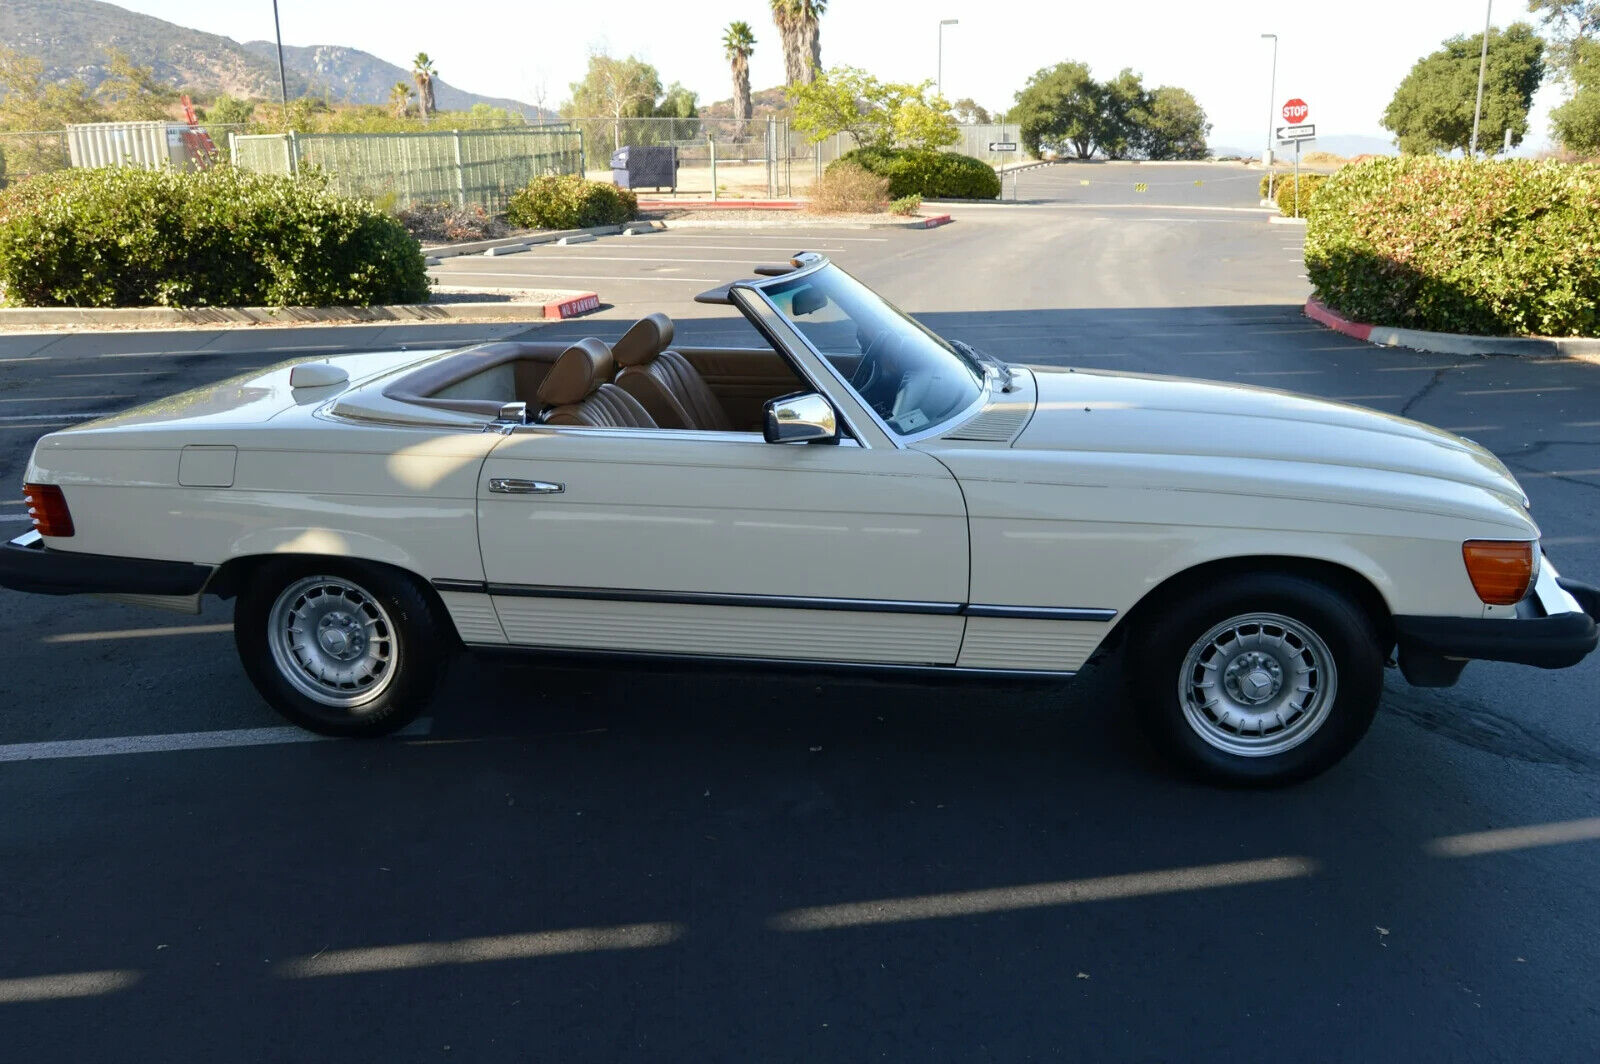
(23, 155)
(460, 166)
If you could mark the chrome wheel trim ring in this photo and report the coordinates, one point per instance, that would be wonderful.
(1257, 685)
(333, 641)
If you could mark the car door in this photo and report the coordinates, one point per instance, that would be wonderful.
(708, 543)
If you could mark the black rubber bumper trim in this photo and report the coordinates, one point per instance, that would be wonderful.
(38, 569)
(1555, 642)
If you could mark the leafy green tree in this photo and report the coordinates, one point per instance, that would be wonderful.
(877, 114)
(228, 110)
(1570, 22)
(1577, 122)
(29, 104)
(616, 89)
(1432, 110)
(1123, 102)
(968, 110)
(738, 43)
(1173, 125)
(678, 102)
(1059, 105)
(799, 25)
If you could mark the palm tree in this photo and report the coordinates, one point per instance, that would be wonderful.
(400, 99)
(797, 21)
(737, 44)
(422, 73)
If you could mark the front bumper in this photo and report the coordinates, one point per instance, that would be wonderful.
(26, 564)
(1554, 629)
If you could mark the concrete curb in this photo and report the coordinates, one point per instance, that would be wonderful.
(723, 205)
(931, 222)
(1015, 167)
(550, 236)
(1278, 219)
(1454, 343)
(569, 304)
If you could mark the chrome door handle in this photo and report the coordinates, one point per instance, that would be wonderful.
(516, 486)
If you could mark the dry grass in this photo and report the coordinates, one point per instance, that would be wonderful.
(849, 189)
(1322, 158)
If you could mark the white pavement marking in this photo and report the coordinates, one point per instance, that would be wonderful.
(1498, 841)
(764, 236)
(62, 398)
(65, 985)
(615, 258)
(56, 417)
(17, 518)
(160, 744)
(630, 278)
(1518, 391)
(124, 373)
(137, 633)
(476, 950)
(1042, 895)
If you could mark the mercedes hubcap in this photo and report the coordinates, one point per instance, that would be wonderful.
(333, 641)
(1257, 684)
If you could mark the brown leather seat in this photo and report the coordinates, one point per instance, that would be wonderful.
(663, 381)
(578, 391)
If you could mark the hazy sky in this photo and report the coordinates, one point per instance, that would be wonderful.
(1344, 58)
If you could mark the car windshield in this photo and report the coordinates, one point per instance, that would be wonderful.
(914, 380)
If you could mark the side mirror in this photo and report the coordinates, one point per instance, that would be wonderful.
(800, 418)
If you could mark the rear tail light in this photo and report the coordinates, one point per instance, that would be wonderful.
(48, 508)
(1501, 570)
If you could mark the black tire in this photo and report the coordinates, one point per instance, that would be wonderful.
(1157, 677)
(411, 626)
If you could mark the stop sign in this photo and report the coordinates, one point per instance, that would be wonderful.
(1295, 111)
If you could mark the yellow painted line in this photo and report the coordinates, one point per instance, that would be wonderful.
(478, 950)
(65, 985)
(1503, 839)
(1042, 895)
(137, 633)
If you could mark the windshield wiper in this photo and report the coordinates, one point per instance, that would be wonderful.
(1006, 374)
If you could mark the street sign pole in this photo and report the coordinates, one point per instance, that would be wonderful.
(1004, 146)
(1297, 178)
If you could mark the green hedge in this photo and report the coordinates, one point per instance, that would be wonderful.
(124, 237)
(929, 174)
(1309, 183)
(570, 202)
(1497, 248)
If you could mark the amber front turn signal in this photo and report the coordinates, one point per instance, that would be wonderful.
(48, 508)
(1501, 570)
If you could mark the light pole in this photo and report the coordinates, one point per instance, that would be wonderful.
(283, 79)
(1483, 65)
(1272, 99)
(942, 24)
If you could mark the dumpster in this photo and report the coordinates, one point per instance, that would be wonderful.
(637, 166)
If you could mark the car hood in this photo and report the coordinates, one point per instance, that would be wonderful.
(1139, 414)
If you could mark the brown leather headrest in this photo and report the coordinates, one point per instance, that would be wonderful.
(581, 369)
(644, 340)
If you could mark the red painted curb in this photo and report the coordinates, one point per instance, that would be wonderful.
(1318, 311)
(572, 306)
(936, 220)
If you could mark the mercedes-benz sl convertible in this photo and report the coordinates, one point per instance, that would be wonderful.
(857, 491)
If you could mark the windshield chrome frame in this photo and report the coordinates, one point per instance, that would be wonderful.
(814, 263)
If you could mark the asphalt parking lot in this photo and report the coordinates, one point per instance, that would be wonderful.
(573, 863)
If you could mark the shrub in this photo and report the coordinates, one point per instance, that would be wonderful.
(1502, 248)
(929, 174)
(570, 202)
(125, 237)
(849, 189)
(1309, 183)
(448, 223)
(906, 204)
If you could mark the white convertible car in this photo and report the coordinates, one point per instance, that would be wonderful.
(859, 492)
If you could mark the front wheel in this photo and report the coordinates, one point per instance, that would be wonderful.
(340, 648)
(1266, 681)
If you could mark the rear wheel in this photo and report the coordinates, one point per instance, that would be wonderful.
(1267, 681)
(340, 648)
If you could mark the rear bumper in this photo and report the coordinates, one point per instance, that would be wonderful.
(26, 564)
(1554, 629)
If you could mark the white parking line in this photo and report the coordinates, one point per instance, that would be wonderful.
(477, 950)
(62, 398)
(754, 236)
(65, 985)
(624, 258)
(160, 744)
(1502, 839)
(137, 633)
(56, 417)
(580, 277)
(1518, 391)
(16, 518)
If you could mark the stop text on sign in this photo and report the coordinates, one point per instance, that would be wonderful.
(1296, 111)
